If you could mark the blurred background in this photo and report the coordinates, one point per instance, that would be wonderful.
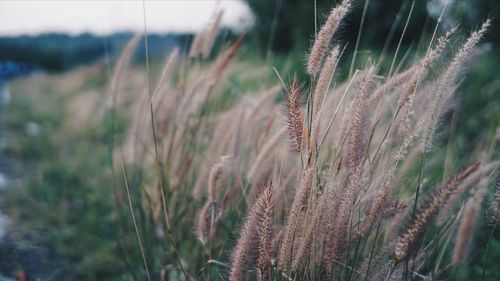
(68, 34)
(55, 44)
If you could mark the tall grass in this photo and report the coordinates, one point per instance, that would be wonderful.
(324, 203)
(337, 182)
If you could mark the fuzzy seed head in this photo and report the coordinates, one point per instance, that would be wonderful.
(417, 228)
(324, 37)
(295, 121)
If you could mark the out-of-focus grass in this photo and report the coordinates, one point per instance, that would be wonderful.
(66, 201)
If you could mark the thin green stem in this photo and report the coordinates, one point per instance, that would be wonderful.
(135, 222)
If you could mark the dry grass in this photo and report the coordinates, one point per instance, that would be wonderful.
(322, 204)
(337, 200)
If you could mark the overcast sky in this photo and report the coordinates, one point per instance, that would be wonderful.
(21, 17)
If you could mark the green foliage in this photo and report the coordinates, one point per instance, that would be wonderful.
(285, 25)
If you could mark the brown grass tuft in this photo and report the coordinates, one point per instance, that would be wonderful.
(325, 36)
(218, 172)
(289, 233)
(418, 225)
(358, 133)
(208, 217)
(266, 231)
(325, 77)
(295, 120)
(468, 223)
(257, 230)
(446, 86)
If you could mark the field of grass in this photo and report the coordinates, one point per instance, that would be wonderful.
(218, 165)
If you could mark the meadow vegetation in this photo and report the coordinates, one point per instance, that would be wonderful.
(214, 167)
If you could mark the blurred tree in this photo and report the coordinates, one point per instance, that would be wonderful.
(283, 25)
(60, 52)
